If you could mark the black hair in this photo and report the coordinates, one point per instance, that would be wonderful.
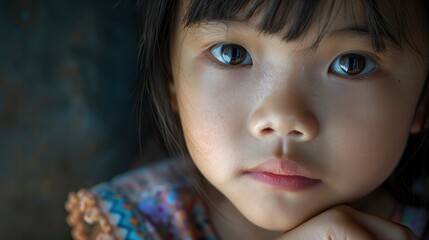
(291, 19)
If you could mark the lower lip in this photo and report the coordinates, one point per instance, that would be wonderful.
(284, 182)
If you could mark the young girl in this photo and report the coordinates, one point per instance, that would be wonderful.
(288, 120)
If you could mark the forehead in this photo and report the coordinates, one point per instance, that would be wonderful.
(385, 21)
(287, 18)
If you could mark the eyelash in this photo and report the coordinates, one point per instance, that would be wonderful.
(216, 57)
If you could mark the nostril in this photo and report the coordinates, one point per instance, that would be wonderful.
(267, 130)
(296, 133)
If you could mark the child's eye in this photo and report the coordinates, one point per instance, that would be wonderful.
(231, 54)
(352, 65)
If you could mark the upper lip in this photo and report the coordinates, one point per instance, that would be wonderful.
(281, 167)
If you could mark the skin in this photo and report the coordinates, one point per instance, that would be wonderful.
(347, 132)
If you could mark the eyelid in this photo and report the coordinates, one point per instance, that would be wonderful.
(372, 55)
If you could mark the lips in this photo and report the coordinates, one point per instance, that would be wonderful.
(282, 175)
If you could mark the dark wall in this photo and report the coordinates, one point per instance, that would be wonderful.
(67, 69)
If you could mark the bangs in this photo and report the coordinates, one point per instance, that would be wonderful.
(292, 19)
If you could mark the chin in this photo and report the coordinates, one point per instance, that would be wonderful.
(278, 226)
(278, 222)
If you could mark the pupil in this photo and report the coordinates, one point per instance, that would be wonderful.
(233, 54)
(352, 64)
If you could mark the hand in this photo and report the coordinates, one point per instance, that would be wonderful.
(343, 222)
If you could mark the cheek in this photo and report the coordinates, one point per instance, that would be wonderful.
(367, 136)
(210, 140)
(212, 121)
(204, 131)
(369, 160)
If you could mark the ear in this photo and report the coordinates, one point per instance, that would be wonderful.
(420, 121)
(172, 95)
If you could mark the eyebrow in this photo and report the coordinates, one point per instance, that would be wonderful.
(351, 30)
(365, 34)
(213, 26)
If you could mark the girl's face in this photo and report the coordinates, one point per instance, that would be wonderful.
(284, 132)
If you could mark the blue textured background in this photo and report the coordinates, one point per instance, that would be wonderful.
(67, 69)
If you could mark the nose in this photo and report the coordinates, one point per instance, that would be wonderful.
(284, 114)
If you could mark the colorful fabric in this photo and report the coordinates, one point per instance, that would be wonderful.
(159, 202)
(156, 202)
(413, 218)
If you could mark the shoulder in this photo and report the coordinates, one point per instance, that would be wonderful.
(149, 203)
(145, 182)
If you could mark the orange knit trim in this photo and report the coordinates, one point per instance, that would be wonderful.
(84, 211)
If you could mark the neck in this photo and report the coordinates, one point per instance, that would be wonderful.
(379, 203)
(229, 222)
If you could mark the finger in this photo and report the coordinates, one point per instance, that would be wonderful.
(380, 227)
(332, 224)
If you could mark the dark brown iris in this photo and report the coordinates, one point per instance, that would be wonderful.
(352, 64)
(233, 54)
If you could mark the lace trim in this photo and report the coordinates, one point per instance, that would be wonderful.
(84, 211)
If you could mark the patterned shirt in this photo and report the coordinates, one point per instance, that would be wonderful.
(159, 202)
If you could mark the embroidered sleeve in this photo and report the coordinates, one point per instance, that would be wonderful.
(116, 216)
(155, 202)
